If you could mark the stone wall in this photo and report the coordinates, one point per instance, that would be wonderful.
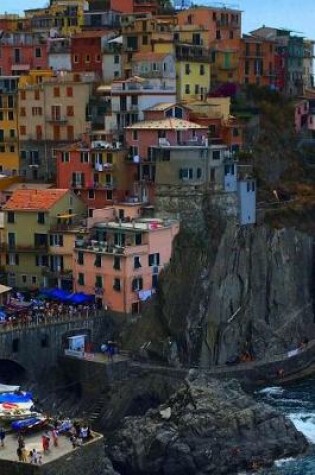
(39, 347)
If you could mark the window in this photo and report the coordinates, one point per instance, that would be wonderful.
(196, 88)
(109, 157)
(56, 240)
(138, 239)
(34, 279)
(97, 58)
(145, 40)
(36, 95)
(75, 58)
(186, 173)
(69, 91)
(70, 111)
(10, 115)
(187, 69)
(12, 259)
(91, 194)
(38, 52)
(81, 278)
(24, 279)
(187, 89)
(155, 67)
(109, 195)
(98, 282)
(84, 157)
(135, 135)
(70, 132)
(22, 130)
(116, 59)
(41, 218)
(56, 91)
(218, 34)
(231, 35)
(11, 217)
(65, 157)
(202, 70)
(80, 259)
(23, 95)
(56, 133)
(37, 111)
(87, 58)
(199, 173)
(137, 284)
(39, 132)
(98, 260)
(154, 259)
(136, 262)
(116, 264)
(216, 155)
(116, 285)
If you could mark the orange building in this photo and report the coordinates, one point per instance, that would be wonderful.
(258, 61)
(223, 27)
(121, 261)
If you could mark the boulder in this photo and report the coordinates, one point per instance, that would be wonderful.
(213, 428)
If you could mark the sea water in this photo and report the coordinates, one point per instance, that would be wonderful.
(296, 401)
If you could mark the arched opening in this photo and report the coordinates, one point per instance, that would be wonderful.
(12, 372)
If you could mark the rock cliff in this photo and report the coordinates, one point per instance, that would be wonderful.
(205, 427)
(228, 290)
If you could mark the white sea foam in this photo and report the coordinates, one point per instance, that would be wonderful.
(305, 423)
(272, 391)
(280, 462)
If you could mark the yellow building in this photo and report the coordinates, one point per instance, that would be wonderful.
(64, 16)
(32, 217)
(193, 79)
(9, 137)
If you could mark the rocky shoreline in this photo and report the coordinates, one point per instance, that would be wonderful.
(205, 427)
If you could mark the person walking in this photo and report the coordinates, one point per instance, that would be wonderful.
(2, 436)
(54, 435)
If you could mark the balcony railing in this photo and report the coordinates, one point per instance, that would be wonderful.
(59, 119)
(107, 248)
(17, 248)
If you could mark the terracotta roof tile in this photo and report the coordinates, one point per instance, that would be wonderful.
(149, 56)
(38, 199)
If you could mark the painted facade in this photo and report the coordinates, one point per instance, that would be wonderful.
(9, 134)
(121, 261)
(31, 216)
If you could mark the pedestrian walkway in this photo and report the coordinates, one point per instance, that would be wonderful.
(34, 441)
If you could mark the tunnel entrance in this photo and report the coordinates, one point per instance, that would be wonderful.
(12, 373)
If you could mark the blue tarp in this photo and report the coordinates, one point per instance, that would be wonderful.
(80, 298)
(15, 398)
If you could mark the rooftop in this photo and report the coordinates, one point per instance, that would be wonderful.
(34, 199)
(166, 124)
(28, 186)
(149, 56)
(161, 106)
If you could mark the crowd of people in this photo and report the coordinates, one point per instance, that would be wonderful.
(77, 433)
(37, 312)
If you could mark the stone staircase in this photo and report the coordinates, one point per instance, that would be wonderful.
(95, 413)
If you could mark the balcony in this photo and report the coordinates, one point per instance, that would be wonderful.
(57, 119)
(227, 24)
(20, 248)
(109, 248)
(55, 274)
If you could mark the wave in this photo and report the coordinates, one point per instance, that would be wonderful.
(281, 462)
(305, 423)
(272, 391)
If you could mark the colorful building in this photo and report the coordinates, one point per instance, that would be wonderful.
(222, 33)
(9, 134)
(258, 61)
(31, 218)
(57, 106)
(21, 52)
(121, 261)
(95, 170)
(86, 52)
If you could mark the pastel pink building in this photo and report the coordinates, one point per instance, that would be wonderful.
(121, 261)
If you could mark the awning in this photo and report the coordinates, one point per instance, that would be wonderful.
(65, 216)
(104, 88)
(4, 289)
(118, 39)
(20, 67)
